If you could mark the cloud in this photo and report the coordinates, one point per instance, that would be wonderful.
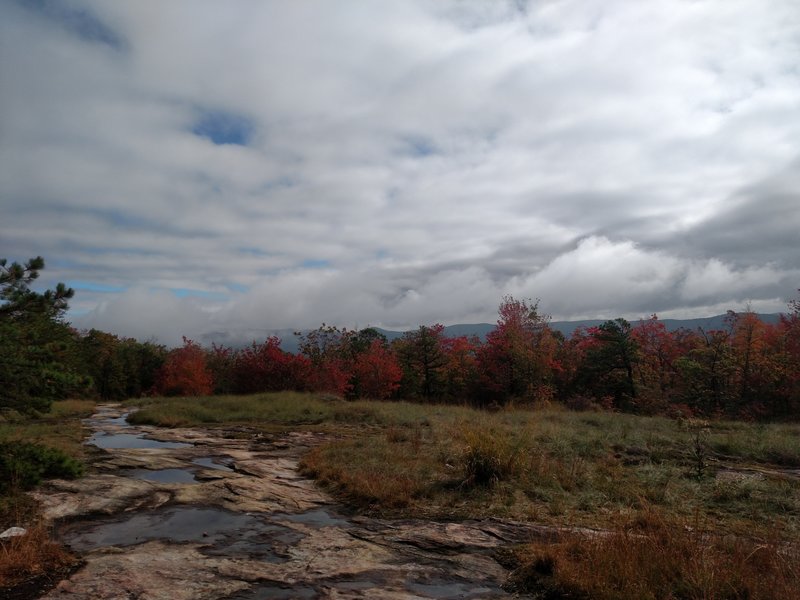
(402, 162)
(147, 315)
(597, 279)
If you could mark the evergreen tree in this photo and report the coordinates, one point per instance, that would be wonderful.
(38, 361)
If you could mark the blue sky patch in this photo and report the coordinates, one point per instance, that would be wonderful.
(222, 128)
(420, 146)
(238, 287)
(81, 22)
(316, 263)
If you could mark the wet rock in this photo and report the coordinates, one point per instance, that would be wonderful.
(155, 571)
(284, 534)
(98, 494)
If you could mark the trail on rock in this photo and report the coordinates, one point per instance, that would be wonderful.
(198, 514)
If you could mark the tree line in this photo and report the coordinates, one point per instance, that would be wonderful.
(748, 369)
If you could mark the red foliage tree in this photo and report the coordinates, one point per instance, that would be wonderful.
(328, 351)
(185, 372)
(377, 372)
(267, 368)
(518, 357)
(655, 369)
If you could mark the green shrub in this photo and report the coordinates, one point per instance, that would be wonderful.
(24, 465)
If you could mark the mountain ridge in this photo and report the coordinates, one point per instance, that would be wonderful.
(289, 341)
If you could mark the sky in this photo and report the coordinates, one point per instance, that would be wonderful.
(200, 167)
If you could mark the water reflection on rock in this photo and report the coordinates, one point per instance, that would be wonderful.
(119, 441)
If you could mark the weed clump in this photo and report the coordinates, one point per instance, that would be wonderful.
(488, 457)
(33, 562)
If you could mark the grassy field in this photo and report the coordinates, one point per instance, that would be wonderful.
(280, 411)
(33, 559)
(683, 509)
(60, 428)
(549, 466)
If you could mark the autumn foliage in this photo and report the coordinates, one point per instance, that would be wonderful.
(746, 369)
(376, 372)
(266, 368)
(185, 372)
(518, 358)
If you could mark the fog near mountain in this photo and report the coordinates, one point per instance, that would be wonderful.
(289, 339)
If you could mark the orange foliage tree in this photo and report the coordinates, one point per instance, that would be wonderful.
(185, 372)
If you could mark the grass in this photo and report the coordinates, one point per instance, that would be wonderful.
(551, 466)
(281, 410)
(554, 467)
(34, 561)
(655, 559)
(688, 509)
(60, 428)
(32, 557)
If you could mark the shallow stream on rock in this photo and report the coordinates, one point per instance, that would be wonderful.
(221, 532)
(210, 463)
(161, 475)
(199, 515)
(118, 441)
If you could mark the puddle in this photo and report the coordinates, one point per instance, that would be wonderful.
(355, 585)
(209, 463)
(315, 518)
(268, 543)
(161, 475)
(225, 532)
(269, 592)
(129, 441)
(122, 420)
(447, 591)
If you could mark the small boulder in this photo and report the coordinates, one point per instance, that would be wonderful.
(13, 532)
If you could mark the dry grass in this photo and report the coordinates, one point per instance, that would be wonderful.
(29, 556)
(70, 409)
(561, 468)
(488, 456)
(32, 563)
(551, 466)
(60, 428)
(659, 560)
(382, 473)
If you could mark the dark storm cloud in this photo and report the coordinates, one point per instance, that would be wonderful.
(759, 225)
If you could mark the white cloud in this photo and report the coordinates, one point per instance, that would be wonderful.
(432, 156)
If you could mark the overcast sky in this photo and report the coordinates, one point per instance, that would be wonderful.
(242, 166)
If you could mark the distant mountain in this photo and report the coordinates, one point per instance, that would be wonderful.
(289, 341)
(568, 327)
